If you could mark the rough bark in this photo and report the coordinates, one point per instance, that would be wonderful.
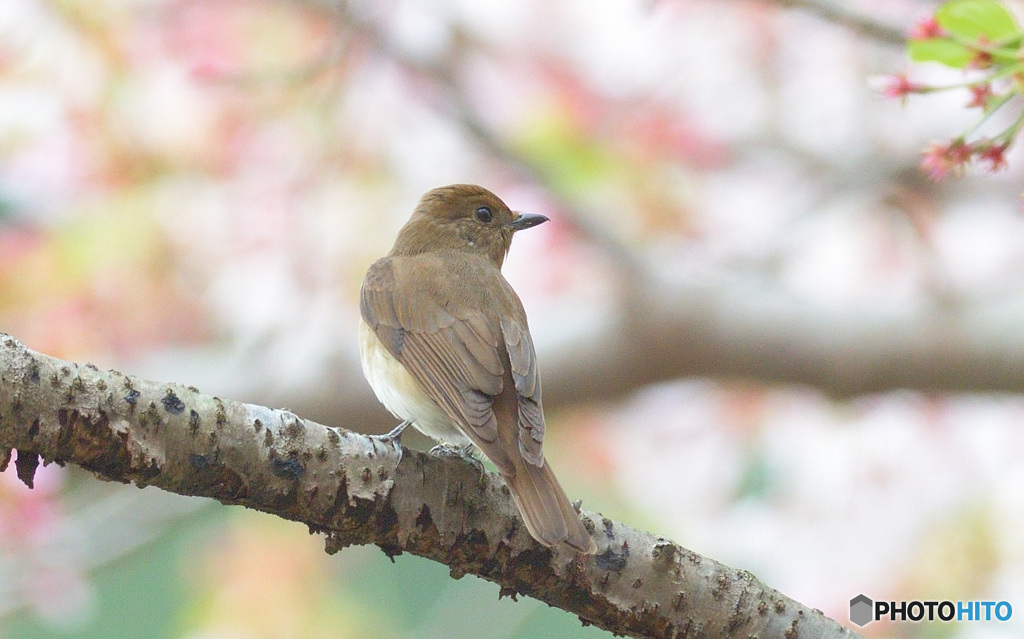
(356, 490)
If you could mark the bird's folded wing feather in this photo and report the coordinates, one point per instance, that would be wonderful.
(457, 355)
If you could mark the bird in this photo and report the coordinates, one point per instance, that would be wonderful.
(445, 345)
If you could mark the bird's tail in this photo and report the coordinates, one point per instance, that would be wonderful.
(549, 516)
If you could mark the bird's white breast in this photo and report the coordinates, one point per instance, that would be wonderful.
(400, 393)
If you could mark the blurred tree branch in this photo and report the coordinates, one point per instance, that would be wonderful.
(742, 329)
(727, 328)
(838, 14)
(358, 492)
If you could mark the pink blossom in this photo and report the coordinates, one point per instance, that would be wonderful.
(926, 29)
(980, 93)
(940, 160)
(995, 155)
(899, 86)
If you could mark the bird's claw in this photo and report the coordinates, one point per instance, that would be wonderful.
(393, 438)
(465, 453)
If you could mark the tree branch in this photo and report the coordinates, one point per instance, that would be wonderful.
(359, 492)
(744, 330)
(844, 17)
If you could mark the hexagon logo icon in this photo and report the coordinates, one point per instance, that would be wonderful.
(860, 610)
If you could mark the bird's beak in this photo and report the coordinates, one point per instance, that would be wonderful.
(526, 220)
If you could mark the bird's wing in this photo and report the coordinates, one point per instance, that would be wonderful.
(458, 356)
(523, 359)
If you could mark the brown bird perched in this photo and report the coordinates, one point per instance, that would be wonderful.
(446, 347)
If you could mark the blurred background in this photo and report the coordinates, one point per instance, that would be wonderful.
(763, 333)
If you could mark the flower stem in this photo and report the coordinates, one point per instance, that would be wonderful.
(995, 105)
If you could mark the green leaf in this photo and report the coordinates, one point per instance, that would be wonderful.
(970, 19)
(941, 50)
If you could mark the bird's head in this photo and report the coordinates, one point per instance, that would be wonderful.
(463, 217)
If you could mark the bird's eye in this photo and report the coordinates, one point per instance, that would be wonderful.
(484, 214)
